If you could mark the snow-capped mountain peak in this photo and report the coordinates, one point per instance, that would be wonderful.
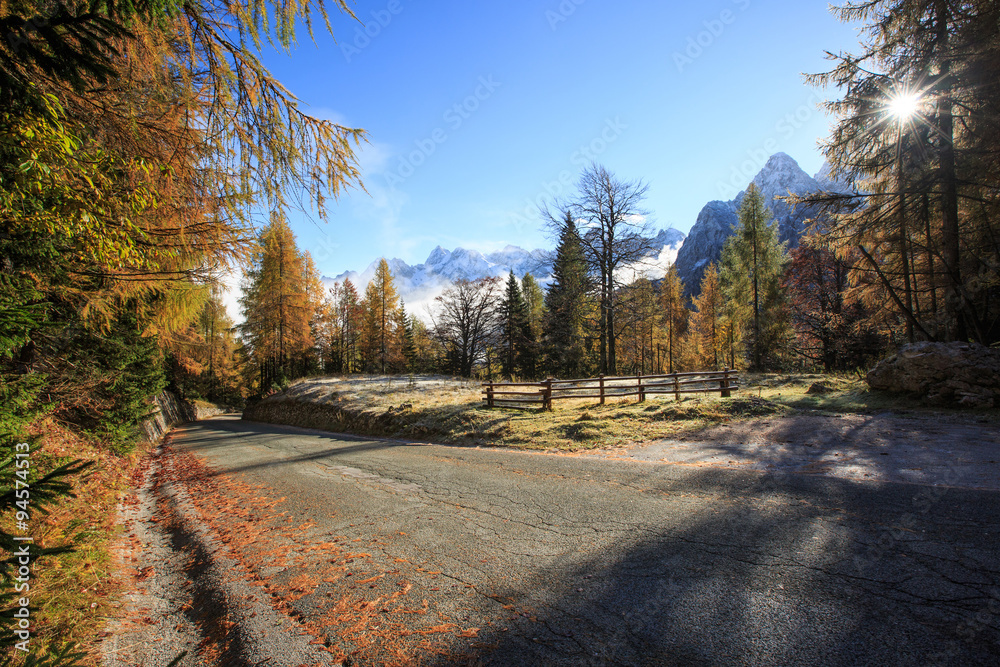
(420, 284)
(780, 177)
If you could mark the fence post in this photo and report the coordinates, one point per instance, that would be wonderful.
(642, 390)
(489, 395)
(547, 394)
(677, 388)
(724, 385)
(601, 379)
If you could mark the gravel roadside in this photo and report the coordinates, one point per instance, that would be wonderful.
(189, 601)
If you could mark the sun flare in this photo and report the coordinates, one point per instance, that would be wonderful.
(904, 105)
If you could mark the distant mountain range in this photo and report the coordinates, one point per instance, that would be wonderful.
(419, 285)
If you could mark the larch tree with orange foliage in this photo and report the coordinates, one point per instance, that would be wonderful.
(708, 326)
(674, 315)
(380, 340)
(136, 142)
(279, 305)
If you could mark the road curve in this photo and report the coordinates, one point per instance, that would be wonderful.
(523, 558)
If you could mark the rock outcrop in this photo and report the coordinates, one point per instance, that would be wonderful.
(703, 244)
(965, 374)
(168, 412)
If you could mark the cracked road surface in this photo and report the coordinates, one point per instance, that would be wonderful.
(512, 558)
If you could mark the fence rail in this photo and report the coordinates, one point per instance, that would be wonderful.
(518, 394)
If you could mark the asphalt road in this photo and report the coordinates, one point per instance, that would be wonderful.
(577, 560)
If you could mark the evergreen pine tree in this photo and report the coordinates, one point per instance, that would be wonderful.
(516, 328)
(567, 303)
(753, 260)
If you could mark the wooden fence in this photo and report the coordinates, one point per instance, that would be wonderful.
(541, 394)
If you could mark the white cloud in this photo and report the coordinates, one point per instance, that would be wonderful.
(652, 268)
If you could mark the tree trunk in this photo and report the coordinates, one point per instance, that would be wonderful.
(903, 250)
(955, 306)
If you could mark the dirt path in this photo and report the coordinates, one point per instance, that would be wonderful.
(949, 450)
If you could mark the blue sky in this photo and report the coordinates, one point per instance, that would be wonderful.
(477, 111)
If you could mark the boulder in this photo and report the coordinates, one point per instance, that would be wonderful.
(820, 388)
(966, 374)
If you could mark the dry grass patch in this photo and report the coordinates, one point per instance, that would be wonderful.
(447, 410)
(841, 393)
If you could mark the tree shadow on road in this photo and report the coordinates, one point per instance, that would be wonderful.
(779, 569)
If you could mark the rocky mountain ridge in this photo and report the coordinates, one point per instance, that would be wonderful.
(780, 176)
(420, 284)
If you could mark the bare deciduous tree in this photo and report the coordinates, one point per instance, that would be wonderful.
(614, 233)
(467, 320)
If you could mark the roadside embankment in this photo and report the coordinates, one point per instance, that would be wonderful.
(75, 592)
(451, 411)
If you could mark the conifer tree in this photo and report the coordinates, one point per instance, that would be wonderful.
(707, 325)
(753, 260)
(346, 327)
(407, 344)
(218, 330)
(427, 354)
(639, 310)
(925, 218)
(674, 315)
(380, 304)
(534, 299)
(279, 306)
(564, 324)
(516, 336)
